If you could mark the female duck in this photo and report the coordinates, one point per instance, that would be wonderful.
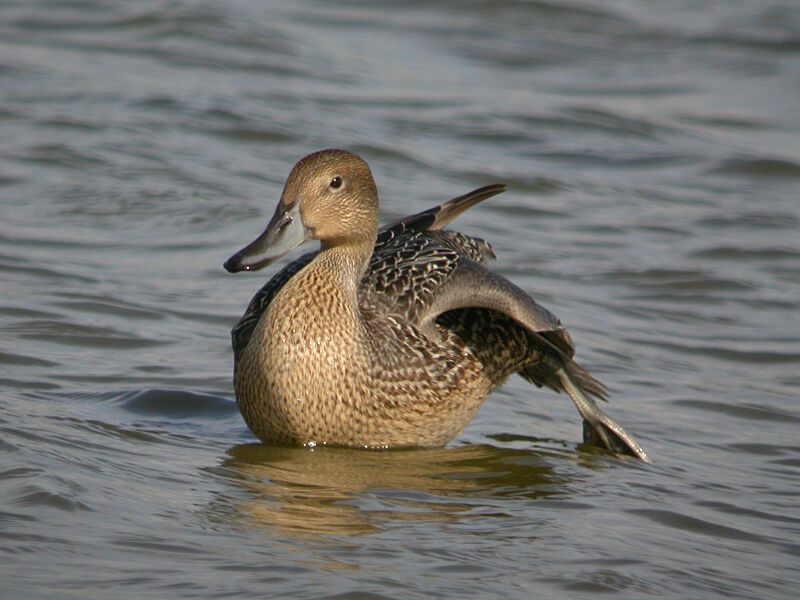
(392, 337)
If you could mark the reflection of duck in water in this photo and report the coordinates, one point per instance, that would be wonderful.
(392, 337)
(349, 492)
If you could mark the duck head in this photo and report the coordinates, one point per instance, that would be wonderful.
(329, 196)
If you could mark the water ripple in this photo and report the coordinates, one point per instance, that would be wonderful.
(758, 167)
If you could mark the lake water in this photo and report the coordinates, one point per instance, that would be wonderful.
(652, 153)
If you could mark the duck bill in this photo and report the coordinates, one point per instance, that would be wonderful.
(284, 232)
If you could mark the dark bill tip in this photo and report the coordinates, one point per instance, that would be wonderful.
(284, 232)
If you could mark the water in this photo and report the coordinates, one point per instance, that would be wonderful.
(653, 157)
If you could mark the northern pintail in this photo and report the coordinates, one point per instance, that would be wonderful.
(390, 337)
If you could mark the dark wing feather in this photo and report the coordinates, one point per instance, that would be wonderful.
(473, 248)
(404, 274)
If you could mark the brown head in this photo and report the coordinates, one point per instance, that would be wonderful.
(329, 196)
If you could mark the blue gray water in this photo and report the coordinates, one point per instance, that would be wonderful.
(652, 153)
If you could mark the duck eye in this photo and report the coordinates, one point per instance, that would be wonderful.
(336, 182)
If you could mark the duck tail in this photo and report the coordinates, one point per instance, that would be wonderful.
(587, 383)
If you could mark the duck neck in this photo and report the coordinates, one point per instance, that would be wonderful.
(345, 264)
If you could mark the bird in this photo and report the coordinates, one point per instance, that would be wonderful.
(394, 336)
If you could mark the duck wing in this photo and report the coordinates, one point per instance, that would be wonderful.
(434, 281)
(476, 304)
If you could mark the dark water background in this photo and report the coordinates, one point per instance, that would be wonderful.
(653, 156)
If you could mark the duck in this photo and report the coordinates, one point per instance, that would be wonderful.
(394, 336)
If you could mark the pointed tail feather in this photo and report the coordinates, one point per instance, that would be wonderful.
(586, 382)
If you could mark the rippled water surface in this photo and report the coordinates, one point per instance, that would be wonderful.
(652, 153)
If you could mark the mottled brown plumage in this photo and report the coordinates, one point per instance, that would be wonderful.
(392, 337)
